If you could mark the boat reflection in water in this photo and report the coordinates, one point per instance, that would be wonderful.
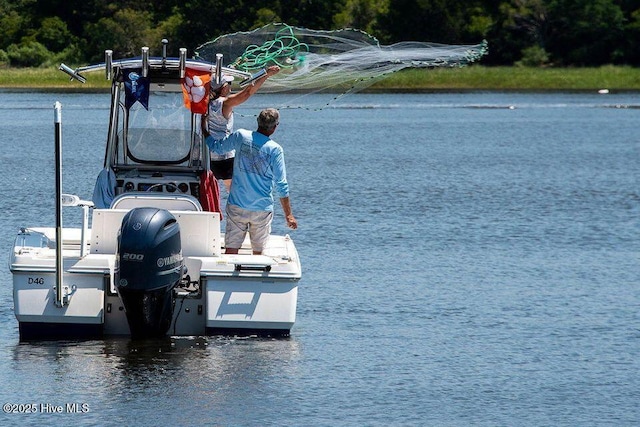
(116, 373)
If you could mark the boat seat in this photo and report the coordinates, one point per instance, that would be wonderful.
(199, 232)
(179, 202)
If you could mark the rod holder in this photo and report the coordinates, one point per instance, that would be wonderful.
(218, 68)
(165, 42)
(72, 73)
(253, 78)
(108, 63)
(183, 61)
(145, 61)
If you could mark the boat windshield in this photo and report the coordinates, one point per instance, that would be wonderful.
(160, 135)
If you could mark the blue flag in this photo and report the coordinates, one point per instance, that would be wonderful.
(136, 88)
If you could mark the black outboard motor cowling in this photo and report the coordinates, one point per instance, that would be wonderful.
(149, 266)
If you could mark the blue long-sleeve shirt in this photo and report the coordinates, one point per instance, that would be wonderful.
(258, 169)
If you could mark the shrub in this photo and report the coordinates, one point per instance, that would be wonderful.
(28, 54)
(4, 58)
(533, 56)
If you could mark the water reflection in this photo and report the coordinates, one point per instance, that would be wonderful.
(208, 365)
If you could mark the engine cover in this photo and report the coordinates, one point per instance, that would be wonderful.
(149, 265)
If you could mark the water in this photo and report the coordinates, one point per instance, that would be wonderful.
(468, 259)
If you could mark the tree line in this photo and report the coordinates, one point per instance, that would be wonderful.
(519, 32)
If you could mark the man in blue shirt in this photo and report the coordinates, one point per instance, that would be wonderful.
(258, 170)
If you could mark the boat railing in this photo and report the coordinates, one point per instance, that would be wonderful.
(144, 62)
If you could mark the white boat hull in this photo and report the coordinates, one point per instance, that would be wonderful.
(241, 294)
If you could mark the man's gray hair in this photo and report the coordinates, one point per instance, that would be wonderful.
(268, 119)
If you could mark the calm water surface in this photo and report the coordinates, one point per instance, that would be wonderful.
(468, 259)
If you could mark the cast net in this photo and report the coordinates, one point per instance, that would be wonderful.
(334, 63)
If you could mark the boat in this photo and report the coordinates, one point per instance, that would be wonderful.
(149, 259)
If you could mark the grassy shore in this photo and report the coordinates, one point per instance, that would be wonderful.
(516, 78)
(475, 77)
(49, 79)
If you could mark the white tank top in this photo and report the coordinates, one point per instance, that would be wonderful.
(219, 127)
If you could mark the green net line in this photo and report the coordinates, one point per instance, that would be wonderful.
(284, 50)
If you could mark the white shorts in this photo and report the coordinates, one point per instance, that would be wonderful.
(239, 221)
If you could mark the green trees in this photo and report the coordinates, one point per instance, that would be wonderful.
(124, 32)
(527, 32)
(40, 32)
(585, 32)
(361, 14)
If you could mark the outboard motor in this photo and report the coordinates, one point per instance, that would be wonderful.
(149, 266)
